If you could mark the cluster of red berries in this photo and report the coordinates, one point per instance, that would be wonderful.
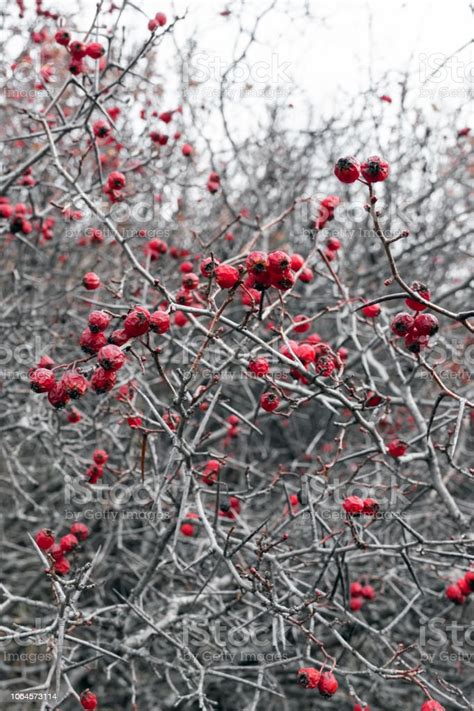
(110, 357)
(355, 506)
(159, 20)
(17, 214)
(211, 471)
(95, 471)
(88, 700)
(458, 592)
(373, 170)
(78, 50)
(326, 211)
(45, 540)
(213, 182)
(324, 682)
(416, 329)
(358, 594)
(116, 182)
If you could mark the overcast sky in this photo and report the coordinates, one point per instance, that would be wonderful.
(337, 50)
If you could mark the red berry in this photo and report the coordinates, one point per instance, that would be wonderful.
(75, 384)
(101, 128)
(77, 49)
(347, 170)
(353, 505)
(63, 37)
(257, 262)
(116, 180)
(469, 578)
(327, 684)
(423, 291)
(137, 322)
(88, 700)
(358, 707)
(80, 530)
(371, 311)
(306, 275)
(371, 506)
(355, 589)
(226, 276)
(74, 416)
(356, 603)
(95, 50)
(103, 380)
(98, 321)
(259, 367)
(94, 473)
(119, 337)
(279, 262)
(44, 539)
(42, 380)
(269, 401)
(402, 323)
(91, 281)
(62, 566)
(187, 529)
(55, 552)
(426, 324)
(375, 169)
(68, 542)
(432, 706)
(207, 266)
(160, 17)
(368, 592)
(190, 281)
(454, 594)
(397, 448)
(111, 358)
(92, 342)
(414, 342)
(296, 262)
(308, 677)
(187, 150)
(159, 322)
(282, 280)
(463, 586)
(58, 396)
(100, 456)
(303, 323)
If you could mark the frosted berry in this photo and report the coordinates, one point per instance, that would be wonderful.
(226, 276)
(98, 321)
(100, 456)
(454, 594)
(432, 705)
(111, 357)
(137, 322)
(42, 380)
(308, 677)
(426, 324)
(371, 311)
(103, 381)
(259, 367)
(58, 396)
(402, 323)
(347, 170)
(61, 566)
(159, 322)
(75, 384)
(375, 169)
